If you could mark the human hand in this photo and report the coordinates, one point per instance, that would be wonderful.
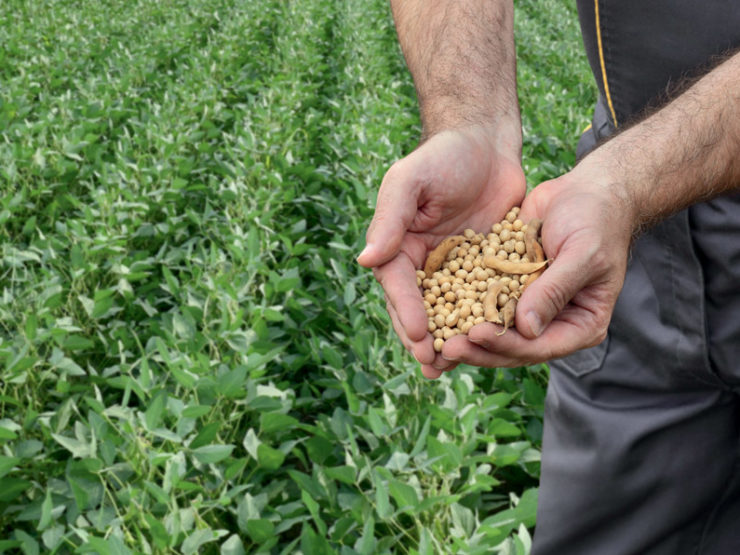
(455, 180)
(587, 231)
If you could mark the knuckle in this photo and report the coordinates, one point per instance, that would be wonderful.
(556, 296)
(601, 332)
(394, 172)
(379, 277)
(600, 260)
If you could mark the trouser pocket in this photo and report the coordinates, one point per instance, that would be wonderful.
(584, 361)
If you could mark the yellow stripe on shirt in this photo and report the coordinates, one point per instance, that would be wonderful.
(603, 65)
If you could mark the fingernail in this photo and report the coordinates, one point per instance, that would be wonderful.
(535, 323)
(364, 252)
(450, 359)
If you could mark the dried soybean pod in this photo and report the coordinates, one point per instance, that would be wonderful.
(439, 254)
(509, 267)
(534, 249)
(530, 240)
(490, 310)
(508, 313)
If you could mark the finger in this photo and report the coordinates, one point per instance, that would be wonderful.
(531, 208)
(477, 355)
(571, 271)
(398, 279)
(536, 204)
(397, 327)
(441, 363)
(394, 212)
(438, 367)
(573, 329)
(429, 371)
(423, 350)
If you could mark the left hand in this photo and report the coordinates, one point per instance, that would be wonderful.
(587, 231)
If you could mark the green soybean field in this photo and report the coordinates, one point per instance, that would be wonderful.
(191, 361)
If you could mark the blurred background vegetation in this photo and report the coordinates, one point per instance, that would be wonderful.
(191, 359)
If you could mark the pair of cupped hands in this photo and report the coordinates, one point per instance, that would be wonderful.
(461, 179)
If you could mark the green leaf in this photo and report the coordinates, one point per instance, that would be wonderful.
(233, 546)
(398, 461)
(234, 469)
(463, 519)
(350, 293)
(7, 464)
(233, 383)
(46, 507)
(206, 435)
(308, 484)
(212, 453)
(426, 547)
(269, 458)
(12, 487)
(7, 434)
(153, 414)
(313, 543)
(382, 500)
(499, 526)
(366, 545)
(158, 531)
(260, 530)
(272, 422)
(313, 508)
(422, 438)
(159, 494)
(103, 302)
(502, 428)
(346, 474)
(509, 453)
(288, 281)
(52, 537)
(78, 448)
(74, 342)
(104, 546)
(449, 454)
(403, 494)
(196, 411)
(319, 449)
(197, 539)
(29, 545)
(526, 509)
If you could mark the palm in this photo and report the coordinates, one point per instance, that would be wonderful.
(463, 184)
(454, 181)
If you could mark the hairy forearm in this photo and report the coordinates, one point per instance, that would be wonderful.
(462, 57)
(686, 152)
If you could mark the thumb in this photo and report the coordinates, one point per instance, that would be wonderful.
(543, 300)
(394, 212)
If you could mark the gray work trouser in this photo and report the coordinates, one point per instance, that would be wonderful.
(641, 432)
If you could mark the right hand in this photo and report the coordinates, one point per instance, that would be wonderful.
(455, 180)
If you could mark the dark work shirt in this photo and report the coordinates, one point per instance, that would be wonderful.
(638, 49)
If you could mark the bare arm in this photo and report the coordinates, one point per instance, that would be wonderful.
(686, 152)
(463, 60)
(467, 171)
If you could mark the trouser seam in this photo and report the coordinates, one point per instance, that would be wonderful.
(709, 368)
(710, 516)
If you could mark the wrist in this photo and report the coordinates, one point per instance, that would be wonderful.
(609, 180)
(502, 135)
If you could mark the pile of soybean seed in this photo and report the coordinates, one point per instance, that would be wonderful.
(455, 292)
